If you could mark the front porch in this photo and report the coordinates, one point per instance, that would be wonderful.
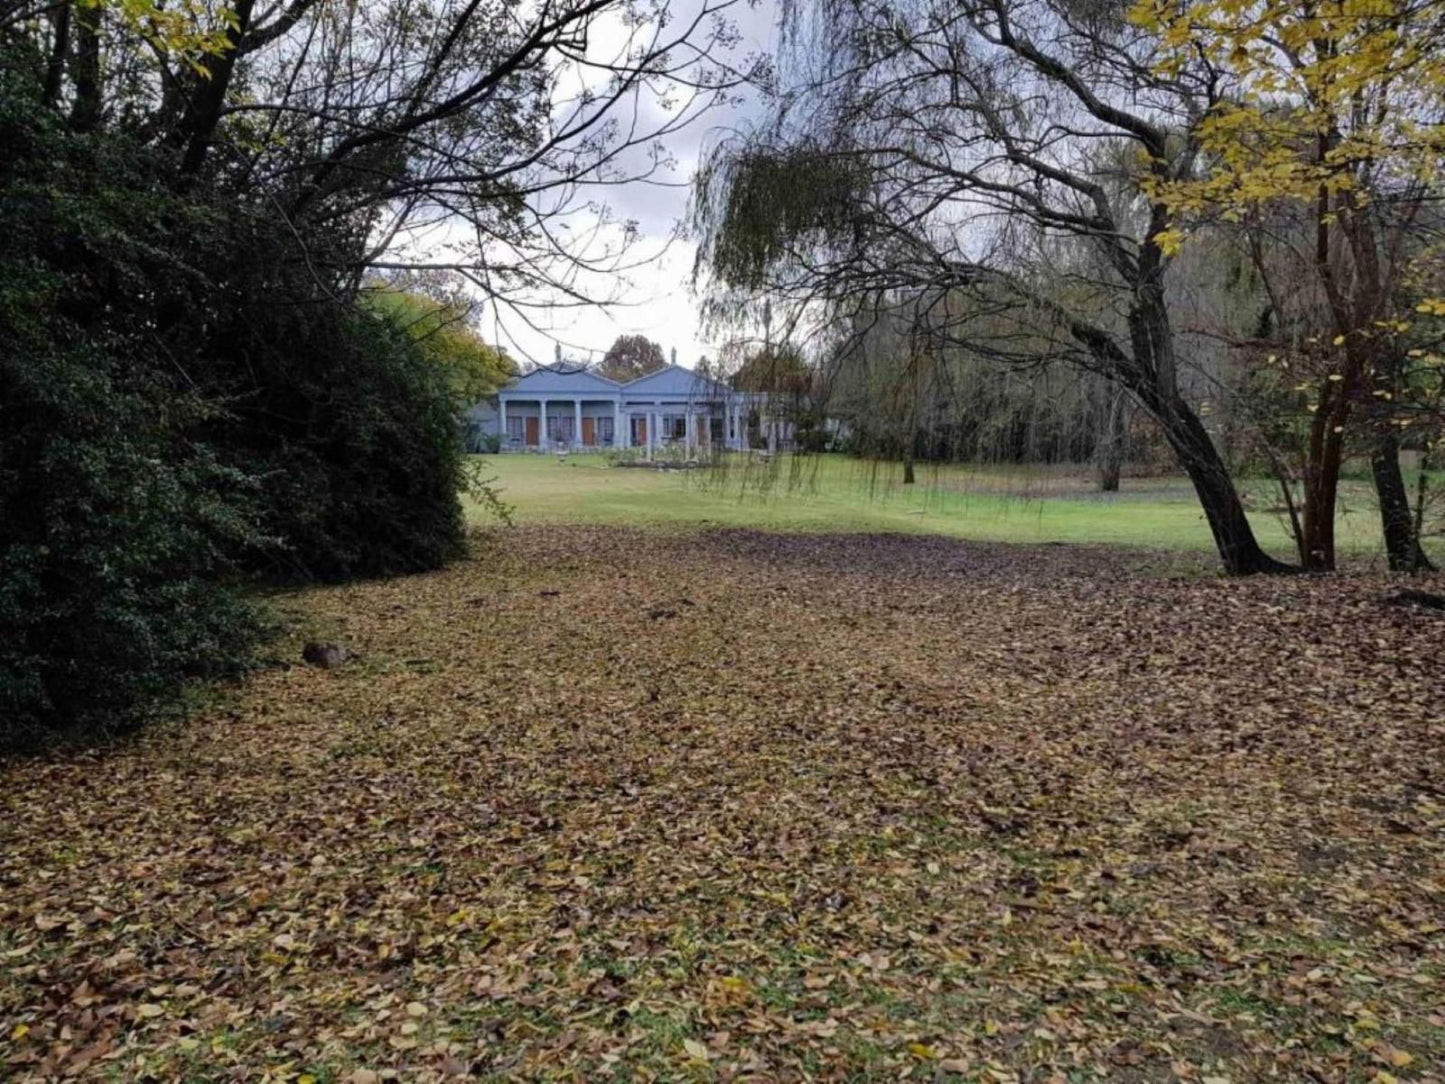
(581, 424)
(541, 425)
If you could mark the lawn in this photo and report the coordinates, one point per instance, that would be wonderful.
(611, 804)
(834, 493)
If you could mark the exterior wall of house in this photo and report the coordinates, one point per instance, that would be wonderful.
(479, 423)
(673, 405)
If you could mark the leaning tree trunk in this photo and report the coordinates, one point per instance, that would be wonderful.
(1152, 375)
(1233, 533)
(1402, 542)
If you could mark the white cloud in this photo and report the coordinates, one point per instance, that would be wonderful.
(654, 296)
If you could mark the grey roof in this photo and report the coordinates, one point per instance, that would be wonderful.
(675, 380)
(548, 380)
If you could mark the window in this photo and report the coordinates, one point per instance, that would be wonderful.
(604, 430)
(516, 428)
(674, 427)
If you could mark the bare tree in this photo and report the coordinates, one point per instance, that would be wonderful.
(475, 136)
(943, 151)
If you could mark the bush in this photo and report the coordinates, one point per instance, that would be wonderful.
(116, 528)
(479, 442)
(354, 438)
(181, 401)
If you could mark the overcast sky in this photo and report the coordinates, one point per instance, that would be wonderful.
(654, 299)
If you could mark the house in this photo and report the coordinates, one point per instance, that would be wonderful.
(562, 408)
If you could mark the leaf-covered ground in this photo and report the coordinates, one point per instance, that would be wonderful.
(602, 804)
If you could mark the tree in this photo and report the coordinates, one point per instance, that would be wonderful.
(502, 123)
(1327, 116)
(931, 152)
(779, 370)
(440, 327)
(631, 356)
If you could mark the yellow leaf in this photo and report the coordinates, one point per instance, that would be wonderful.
(415, 1008)
(696, 1050)
(922, 1050)
(150, 1011)
(21, 1030)
(1170, 241)
(1339, 340)
(305, 1078)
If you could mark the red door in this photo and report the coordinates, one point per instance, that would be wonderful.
(531, 438)
(589, 432)
(640, 430)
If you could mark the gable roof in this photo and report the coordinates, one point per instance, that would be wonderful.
(547, 379)
(675, 380)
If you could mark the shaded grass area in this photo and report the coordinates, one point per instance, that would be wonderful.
(836, 493)
(608, 804)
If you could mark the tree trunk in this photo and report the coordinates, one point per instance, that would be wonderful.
(1150, 373)
(1113, 435)
(1323, 459)
(203, 112)
(55, 66)
(908, 465)
(1233, 534)
(85, 110)
(1402, 542)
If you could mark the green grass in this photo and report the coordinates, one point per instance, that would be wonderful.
(834, 493)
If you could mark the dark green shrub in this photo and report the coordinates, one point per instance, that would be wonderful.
(116, 527)
(180, 399)
(353, 435)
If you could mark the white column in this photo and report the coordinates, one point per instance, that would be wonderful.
(621, 423)
(577, 422)
(502, 420)
(542, 427)
(690, 430)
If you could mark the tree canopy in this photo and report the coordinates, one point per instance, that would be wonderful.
(631, 356)
(441, 329)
